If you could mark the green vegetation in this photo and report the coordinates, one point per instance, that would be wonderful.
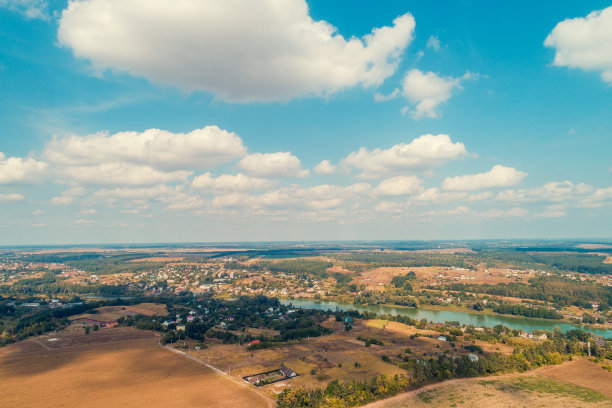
(521, 310)
(552, 386)
(558, 291)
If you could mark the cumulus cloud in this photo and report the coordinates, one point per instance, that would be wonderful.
(228, 182)
(240, 50)
(497, 213)
(427, 91)
(554, 191)
(139, 193)
(8, 198)
(18, 170)
(68, 196)
(279, 164)
(423, 153)
(121, 174)
(435, 196)
(584, 43)
(293, 197)
(400, 185)
(33, 9)
(200, 148)
(498, 176)
(324, 168)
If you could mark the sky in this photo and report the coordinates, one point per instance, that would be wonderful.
(285, 120)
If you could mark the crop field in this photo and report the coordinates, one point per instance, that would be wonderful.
(582, 373)
(120, 367)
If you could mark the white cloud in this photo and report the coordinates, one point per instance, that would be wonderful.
(183, 202)
(585, 43)
(426, 91)
(121, 174)
(400, 185)
(597, 199)
(68, 196)
(141, 193)
(550, 192)
(241, 50)
(324, 168)
(280, 164)
(227, 182)
(200, 148)
(391, 207)
(378, 97)
(293, 197)
(17, 170)
(498, 176)
(8, 198)
(422, 153)
(496, 213)
(433, 42)
(34, 9)
(435, 196)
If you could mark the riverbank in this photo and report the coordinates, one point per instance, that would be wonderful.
(440, 316)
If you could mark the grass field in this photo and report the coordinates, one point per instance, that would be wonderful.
(120, 367)
(511, 391)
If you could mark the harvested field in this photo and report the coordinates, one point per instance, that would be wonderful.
(112, 313)
(119, 367)
(583, 373)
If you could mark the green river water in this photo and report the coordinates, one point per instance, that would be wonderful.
(441, 316)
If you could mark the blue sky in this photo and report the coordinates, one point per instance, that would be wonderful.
(244, 120)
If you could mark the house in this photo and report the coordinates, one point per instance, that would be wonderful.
(473, 357)
(287, 372)
(254, 342)
(180, 327)
(441, 338)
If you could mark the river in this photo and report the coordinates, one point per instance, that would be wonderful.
(441, 316)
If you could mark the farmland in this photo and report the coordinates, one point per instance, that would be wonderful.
(205, 325)
(120, 367)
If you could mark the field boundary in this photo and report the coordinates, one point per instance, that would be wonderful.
(270, 401)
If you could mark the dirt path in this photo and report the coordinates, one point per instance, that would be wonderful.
(270, 401)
